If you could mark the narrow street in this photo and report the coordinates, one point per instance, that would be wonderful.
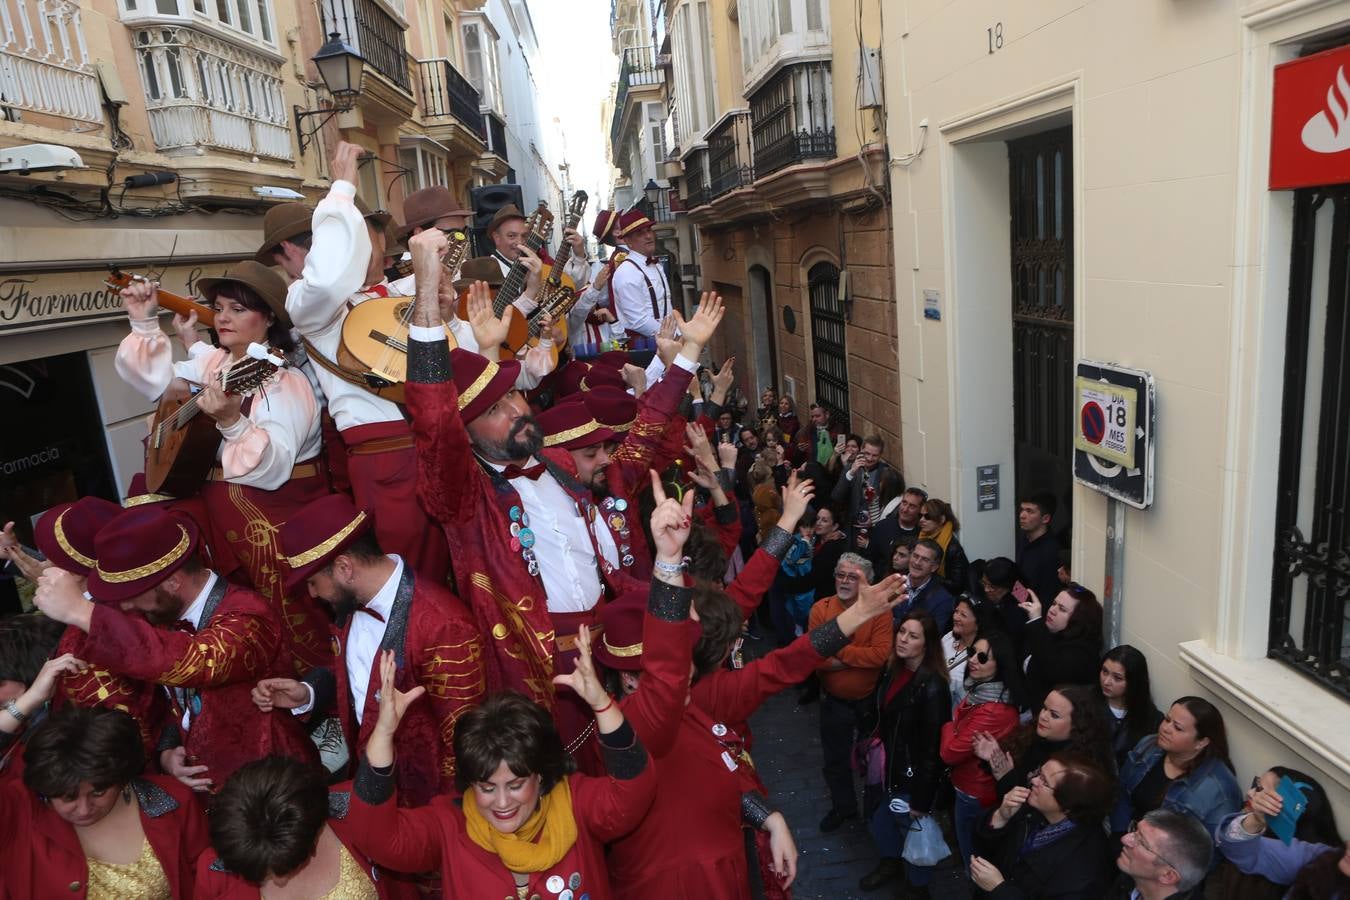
(787, 754)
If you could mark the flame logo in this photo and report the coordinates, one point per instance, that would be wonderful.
(1328, 132)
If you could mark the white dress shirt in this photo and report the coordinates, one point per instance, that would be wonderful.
(193, 616)
(632, 300)
(567, 563)
(365, 635)
(317, 302)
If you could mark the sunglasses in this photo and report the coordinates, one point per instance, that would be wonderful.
(982, 657)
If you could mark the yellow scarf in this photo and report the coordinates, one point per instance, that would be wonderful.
(944, 537)
(552, 824)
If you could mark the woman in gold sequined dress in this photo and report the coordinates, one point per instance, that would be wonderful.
(85, 823)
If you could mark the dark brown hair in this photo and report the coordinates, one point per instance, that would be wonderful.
(278, 335)
(509, 728)
(1085, 622)
(1085, 793)
(267, 818)
(933, 661)
(101, 747)
(1208, 724)
(720, 620)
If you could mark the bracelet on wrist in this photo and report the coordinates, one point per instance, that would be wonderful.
(606, 707)
(665, 568)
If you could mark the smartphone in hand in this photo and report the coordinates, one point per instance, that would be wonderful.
(1019, 592)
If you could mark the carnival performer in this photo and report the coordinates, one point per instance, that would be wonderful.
(269, 461)
(161, 616)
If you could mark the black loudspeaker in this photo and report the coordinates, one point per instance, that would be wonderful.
(486, 201)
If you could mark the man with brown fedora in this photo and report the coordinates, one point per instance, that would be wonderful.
(508, 232)
(380, 605)
(162, 616)
(638, 287)
(432, 207)
(345, 253)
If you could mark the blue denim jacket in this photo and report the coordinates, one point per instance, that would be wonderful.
(1209, 792)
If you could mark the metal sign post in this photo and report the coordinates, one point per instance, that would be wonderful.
(1115, 417)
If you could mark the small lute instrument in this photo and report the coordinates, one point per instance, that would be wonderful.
(538, 229)
(375, 331)
(117, 279)
(557, 293)
(182, 446)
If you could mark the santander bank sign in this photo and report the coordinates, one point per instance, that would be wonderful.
(1310, 123)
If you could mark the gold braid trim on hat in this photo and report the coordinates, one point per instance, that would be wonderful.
(151, 568)
(472, 391)
(142, 499)
(623, 652)
(313, 553)
(563, 437)
(67, 548)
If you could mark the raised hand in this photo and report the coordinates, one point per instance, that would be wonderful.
(667, 344)
(1031, 605)
(635, 377)
(724, 377)
(141, 299)
(279, 693)
(882, 597)
(43, 687)
(1262, 805)
(60, 597)
(1014, 800)
(671, 521)
(346, 159)
(186, 328)
(29, 567)
(699, 330)
(728, 454)
(489, 329)
(583, 679)
(797, 496)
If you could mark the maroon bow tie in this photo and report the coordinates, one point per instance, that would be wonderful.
(370, 612)
(653, 262)
(530, 472)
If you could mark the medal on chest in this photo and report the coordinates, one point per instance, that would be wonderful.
(522, 539)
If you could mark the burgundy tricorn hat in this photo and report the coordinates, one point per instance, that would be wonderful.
(480, 381)
(619, 645)
(614, 408)
(139, 494)
(138, 550)
(570, 375)
(603, 229)
(603, 376)
(318, 532)
(65, 534)
(571, 426)
(631, 221)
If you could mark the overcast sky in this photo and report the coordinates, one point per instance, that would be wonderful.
(576, 69)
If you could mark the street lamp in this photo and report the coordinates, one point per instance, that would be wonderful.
(340, 66)
(652, 191)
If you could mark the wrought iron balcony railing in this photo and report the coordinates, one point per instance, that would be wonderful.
(375, 34)
(445, 92)
(696, 180)
(496, 130)
(638, 67)
(791, 118)
(730, 162)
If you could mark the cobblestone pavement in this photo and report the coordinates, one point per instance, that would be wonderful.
(787, 754)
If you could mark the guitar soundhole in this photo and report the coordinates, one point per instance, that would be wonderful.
(401, 310)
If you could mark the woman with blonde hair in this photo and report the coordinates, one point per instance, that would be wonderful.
(938, 522)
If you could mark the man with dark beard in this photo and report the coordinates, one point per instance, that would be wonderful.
(519, 524)
(163, 617)
(379, 603)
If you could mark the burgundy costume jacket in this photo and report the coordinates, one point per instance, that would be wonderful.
(212, 672)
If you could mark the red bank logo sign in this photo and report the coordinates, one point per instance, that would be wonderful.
(1310, 124)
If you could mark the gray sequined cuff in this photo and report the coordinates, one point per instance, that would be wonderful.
(727, 479)
(668, 602)
(727, 512)
(755, 810)
(828, 639)
(776, 543)
(374, 786)
(428, 361)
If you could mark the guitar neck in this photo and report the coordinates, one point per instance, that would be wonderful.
(514, 282)
(186, 306)
(564, 254)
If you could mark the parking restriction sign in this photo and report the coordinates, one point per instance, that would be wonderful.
(1114, 417)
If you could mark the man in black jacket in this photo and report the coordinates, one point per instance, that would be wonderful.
(1037, 548)
(858, 492)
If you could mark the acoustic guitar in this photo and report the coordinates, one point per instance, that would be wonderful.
(182, 445)
(375, 332)
(538, 229)
(557, 293)
(117, 279)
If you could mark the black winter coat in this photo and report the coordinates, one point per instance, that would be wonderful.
(1078, 866)
(1058, 659)
(910, 728)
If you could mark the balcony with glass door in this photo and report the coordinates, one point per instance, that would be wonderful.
(46, 76)
(450, 107)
